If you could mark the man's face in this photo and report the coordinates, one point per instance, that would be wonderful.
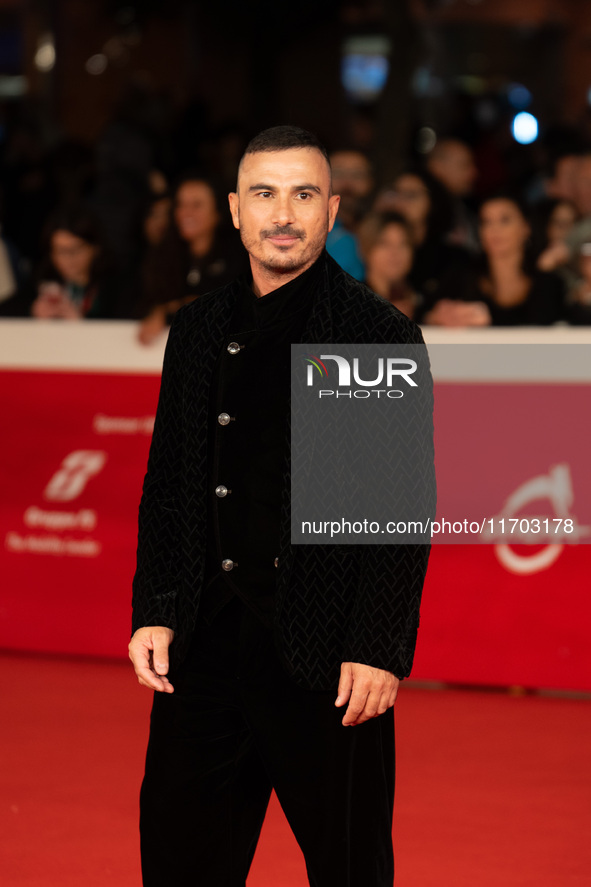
(564, 183)
(454, 166)
(283, 208)
(351, 174)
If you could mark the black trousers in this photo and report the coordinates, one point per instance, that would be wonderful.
(238, 726)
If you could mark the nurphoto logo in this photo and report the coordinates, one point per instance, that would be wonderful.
(389, 371)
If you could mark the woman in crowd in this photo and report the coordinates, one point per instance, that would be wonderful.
(386, 245)
(156, 220)
(579, 296)
(13, 279)
(552, 221)
(504, 287)
(427, 208)
(194, 257)
(74, 279)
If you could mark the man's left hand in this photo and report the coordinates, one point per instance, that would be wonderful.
(369, 691)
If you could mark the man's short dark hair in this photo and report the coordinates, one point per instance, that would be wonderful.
(283, 138)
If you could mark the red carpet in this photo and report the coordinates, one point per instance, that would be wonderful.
(492, 790)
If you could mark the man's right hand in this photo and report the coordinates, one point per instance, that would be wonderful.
(148, 650)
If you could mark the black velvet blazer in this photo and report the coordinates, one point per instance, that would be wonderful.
(333, 603)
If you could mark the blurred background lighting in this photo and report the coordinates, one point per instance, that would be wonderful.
(519, 96)
(365, 66)
(125, 15)
(96, 64)
(12, 88)
(471, 84)
(524, 128)
(45, 55)
(115, 50)
(426, 84)
(426, 140)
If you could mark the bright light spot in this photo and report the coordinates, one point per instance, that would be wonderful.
(519, 96)
(589, 96)
(426, 139)
(96, 64)
(524, 128)
(45, 56)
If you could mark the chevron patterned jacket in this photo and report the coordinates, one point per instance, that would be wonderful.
(334, 603)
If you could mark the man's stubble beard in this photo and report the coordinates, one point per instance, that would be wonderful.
(288, 264)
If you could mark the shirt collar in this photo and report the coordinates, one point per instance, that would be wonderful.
(286, 300)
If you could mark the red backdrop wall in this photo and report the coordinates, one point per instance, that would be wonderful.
(73, 454)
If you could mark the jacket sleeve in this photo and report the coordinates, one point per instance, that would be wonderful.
(382, 629)
(385, 619)
(156, 581)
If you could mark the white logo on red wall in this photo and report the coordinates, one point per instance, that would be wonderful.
(557, 488)
(66, 485)
(75, 472)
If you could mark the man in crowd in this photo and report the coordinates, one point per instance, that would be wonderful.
(352, 180)
(262, 633)
(562, 181)
(452, 163)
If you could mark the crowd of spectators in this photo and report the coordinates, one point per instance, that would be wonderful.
(131, 241)
(424, 243)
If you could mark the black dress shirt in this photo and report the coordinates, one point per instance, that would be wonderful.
(249, 409)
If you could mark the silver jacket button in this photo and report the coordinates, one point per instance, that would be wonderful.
(224, 418)
(222, 491)
(276, 561)
(228, 565)
(233, 348)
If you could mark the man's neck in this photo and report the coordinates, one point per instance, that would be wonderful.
(265, 280)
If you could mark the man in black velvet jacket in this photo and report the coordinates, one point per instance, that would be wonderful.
(261, 632)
